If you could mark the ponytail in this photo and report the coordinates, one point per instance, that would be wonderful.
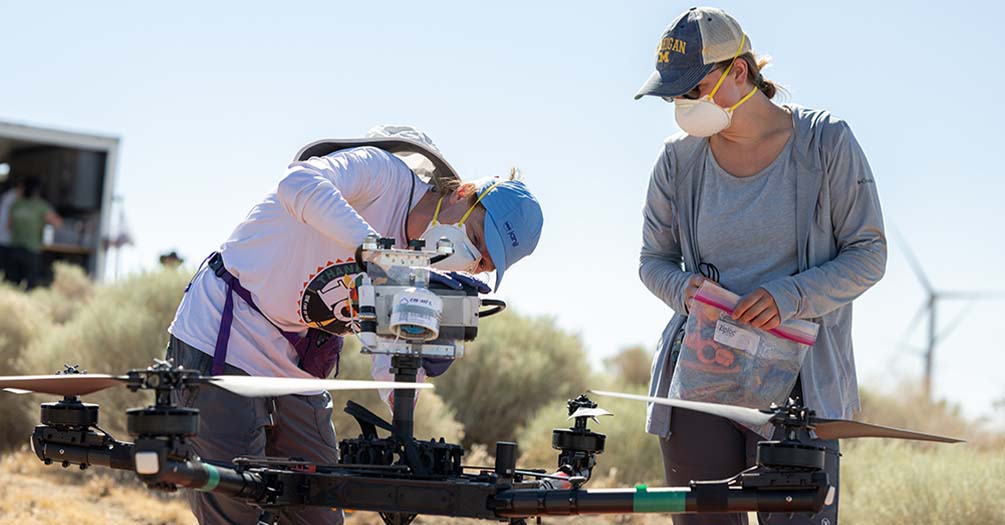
(754, 66)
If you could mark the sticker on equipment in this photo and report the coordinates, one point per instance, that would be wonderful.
(736, 337)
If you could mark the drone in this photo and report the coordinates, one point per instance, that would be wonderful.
(403, 312)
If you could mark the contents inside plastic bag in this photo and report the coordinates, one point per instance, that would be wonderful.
(725, 361)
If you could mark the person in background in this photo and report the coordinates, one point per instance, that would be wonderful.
(778, 203)
(7, 199)
(171, 260)
(28, 216)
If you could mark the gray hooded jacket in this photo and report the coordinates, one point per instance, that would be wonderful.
(841, 250)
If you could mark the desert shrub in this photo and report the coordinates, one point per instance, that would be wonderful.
(517, 365)
(123, 326)
(631, 365)
(631, 454)
(890, 481)
(21, 323)
(70, 290)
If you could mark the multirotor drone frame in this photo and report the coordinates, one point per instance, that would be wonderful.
(401, 477)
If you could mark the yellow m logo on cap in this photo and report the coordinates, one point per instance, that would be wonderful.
(670, 45)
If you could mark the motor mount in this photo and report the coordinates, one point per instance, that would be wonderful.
(578, 445)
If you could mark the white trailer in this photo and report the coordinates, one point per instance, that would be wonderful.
(77, 175)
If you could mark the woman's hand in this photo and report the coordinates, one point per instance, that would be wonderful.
(758, 309)
(693, 284)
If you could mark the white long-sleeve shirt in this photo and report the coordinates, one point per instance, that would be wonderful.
(294, 253)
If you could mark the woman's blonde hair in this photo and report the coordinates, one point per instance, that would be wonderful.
(447, 185)
(754, 66)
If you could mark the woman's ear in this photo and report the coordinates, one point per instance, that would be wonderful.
(739, 71)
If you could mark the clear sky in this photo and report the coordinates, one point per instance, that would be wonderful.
(211, 101)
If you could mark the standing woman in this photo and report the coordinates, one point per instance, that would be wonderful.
(777, 203)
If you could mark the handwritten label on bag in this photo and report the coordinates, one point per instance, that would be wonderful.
(736, 337)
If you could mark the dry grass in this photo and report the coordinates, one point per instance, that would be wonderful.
(35, 493)
(899, 482)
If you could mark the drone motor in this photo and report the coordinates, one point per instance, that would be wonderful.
(790, 455)
(161, 421)
(69, 413)
(578, 446)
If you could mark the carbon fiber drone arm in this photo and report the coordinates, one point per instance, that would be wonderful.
(485, 499)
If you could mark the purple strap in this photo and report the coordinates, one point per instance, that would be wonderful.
(223, 336)
(317, 361)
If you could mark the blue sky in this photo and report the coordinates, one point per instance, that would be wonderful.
(211, 100)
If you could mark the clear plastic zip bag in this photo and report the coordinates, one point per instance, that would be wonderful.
(725, 361)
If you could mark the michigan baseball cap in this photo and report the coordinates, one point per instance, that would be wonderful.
(690, 47)
(513, 222)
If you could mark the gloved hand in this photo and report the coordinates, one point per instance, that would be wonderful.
(458, 281)
(435, 366)
(319, 353)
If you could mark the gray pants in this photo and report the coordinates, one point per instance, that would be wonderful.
(231, 425)
(706, 447)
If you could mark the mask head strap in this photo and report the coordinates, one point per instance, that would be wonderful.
(475, 205)
(437, 212)
(471, 209)
(743, 40)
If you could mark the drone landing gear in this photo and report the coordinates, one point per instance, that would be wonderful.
(433, 458)
(397, 518)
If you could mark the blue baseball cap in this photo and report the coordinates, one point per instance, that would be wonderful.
(513, 221)
(690, 47)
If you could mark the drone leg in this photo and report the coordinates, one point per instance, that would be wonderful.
(405, 368)
(397, 518)
(268, 518)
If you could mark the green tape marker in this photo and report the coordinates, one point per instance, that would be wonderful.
(214, 478)
(660, 500)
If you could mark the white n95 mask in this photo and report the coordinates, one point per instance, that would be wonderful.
(466, 255)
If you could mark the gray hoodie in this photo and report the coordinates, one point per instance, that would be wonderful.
(840, 241)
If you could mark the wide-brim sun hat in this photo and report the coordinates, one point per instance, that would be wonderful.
(408, 143)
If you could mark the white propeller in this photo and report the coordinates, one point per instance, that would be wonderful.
(250, 386)
(747, 416)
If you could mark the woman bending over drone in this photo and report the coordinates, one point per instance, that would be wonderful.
(274, 300)
(775, 202)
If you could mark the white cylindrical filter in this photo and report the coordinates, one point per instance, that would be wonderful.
(367, 299)
(416, 314)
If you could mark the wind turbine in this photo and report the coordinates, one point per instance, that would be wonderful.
(930, 307)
